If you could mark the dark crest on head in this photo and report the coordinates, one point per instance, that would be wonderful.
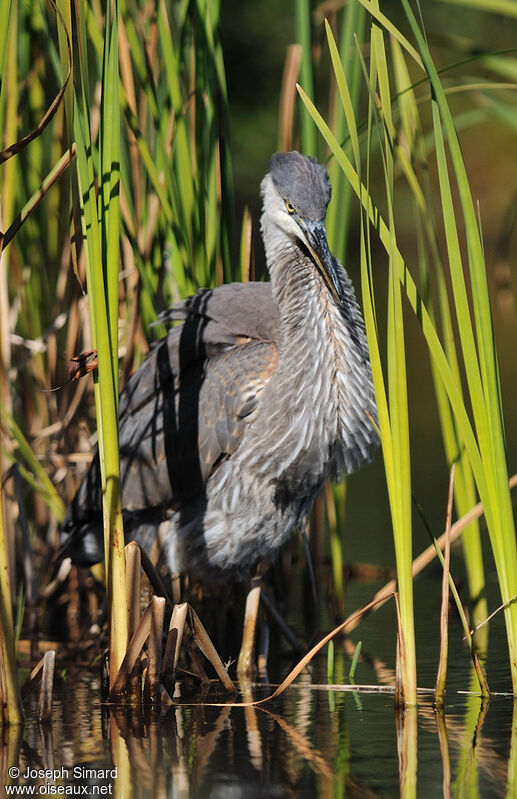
(301, 181)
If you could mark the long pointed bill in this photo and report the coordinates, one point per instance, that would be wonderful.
(316, 238)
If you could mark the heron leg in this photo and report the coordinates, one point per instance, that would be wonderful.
(245, 663)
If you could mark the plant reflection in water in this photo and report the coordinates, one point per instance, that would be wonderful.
(302, 745)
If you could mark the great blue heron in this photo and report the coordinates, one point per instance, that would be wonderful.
(232, 424)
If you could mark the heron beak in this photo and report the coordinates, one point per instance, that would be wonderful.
(316, 240)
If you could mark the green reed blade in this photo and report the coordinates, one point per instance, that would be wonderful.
(303, 26)
(143, 147)
(109, 206)
(464, 487)
(482, 370)
(11, 709)
(181, 142)
(506, 7)
(343, 81)
(100, 220)
(398, 469)
(5, 16)
(347, 70)
(392, 393)
(355, 661)
(43, 483)
(480, 675)
(411, 154)
(65, 10)
(412, 293)
(435, 347)
(373, 8)
(335, 504)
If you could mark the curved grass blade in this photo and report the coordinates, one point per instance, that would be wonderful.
(480, 357)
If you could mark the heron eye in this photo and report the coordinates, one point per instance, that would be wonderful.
(290, 207)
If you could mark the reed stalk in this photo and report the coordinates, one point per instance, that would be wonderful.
(162, 193)
(481, 678)
(478, 349)
(413, 161)
(303, 26)
(335, 504)
(12, 711)
(339, 214)
(5, 15)
(46, 689)
(100, 231)
(154, 650)
(483, 441)
(441, 677)
(173, 645)
(391, 392)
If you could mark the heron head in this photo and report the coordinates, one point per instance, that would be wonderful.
(296, 193)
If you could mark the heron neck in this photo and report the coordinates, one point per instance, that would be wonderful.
(305, 305)
(320, 402)
(312, 351)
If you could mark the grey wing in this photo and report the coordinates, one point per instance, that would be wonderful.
(181, 413)
(229, 396)
(185, 409)
(170, 446)
(232, 310)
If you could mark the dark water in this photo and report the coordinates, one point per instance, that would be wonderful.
(315, 740)
(312, 742)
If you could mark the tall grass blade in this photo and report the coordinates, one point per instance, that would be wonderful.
(335, 504)
(100, 219)
(5, 16)
(9, 98)
(372, 6)
(398, 469)
(412, 157)
(64, 10)
(506, 7)
(413, 295)
(355, 661)
(347, 71)
(480, 358)
(36, 474)
(288, 97)
(485, 372)
(441, 677)
(392, 392)
(304, 38)
(11, 708)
